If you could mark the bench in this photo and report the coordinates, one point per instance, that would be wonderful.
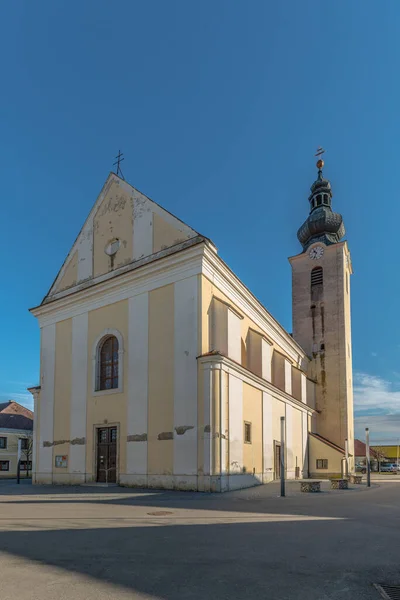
(355, 479)
(339, 484)
(310, 486)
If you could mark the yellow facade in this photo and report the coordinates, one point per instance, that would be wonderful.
(318, 451)
(252, 414)
(106, 409)
(390, 452)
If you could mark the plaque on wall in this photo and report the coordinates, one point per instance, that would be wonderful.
(62, 461)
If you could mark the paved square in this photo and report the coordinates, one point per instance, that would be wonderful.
(115, 543)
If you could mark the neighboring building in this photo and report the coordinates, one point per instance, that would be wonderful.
(159, 367)
(16, 422)
(391, 453)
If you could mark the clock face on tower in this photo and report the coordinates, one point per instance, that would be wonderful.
(316, 252)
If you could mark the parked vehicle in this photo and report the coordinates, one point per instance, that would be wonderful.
(388, 468)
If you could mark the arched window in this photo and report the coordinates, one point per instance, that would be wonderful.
(108, 364)
(319, 200)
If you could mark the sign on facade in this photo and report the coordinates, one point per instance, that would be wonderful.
(62, 461)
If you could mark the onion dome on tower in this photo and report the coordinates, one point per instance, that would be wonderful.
(322, 225)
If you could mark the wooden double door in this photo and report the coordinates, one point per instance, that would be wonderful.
(106, 454)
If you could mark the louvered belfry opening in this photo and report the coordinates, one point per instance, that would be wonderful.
(317, 280)
(317, 276)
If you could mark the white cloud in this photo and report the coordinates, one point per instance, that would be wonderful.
(374, 393)
(384, 429)
(17, 390)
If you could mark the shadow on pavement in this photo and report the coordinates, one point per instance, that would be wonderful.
(310, 560)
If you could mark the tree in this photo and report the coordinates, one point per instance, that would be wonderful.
(27, 450)
(379, 453)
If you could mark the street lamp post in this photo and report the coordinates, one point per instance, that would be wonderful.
(367, 457)
(282, 457)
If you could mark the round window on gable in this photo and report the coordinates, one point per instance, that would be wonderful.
(112, 247)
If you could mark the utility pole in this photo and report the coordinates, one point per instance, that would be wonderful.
(282, 457)
(367, 457)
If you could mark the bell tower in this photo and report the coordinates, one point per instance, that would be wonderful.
(321, 314)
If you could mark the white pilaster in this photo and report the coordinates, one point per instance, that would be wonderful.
(185, 376)
(77, 451)
(304, 423)
(85, 251)
(142, 226)
(268, 442)
(236, 425)
(234, 337)
(224, 432)
(303, 379)
(266, 360)
(208, 422)
(138, 369)
(290, 466)
(288, 377)
(35, 393)
(46, 428)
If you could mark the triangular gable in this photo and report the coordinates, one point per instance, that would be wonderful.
(122, 218)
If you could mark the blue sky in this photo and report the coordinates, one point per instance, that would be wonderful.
(219, 107)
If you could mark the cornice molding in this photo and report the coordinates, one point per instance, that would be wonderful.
(230, 366)
(157, 273)
(133, 266)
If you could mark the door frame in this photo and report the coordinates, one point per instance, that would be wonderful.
(276, 445)
(94, 454)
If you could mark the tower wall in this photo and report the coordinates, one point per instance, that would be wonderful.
(322, 326)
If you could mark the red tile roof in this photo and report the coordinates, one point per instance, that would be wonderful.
(360, 449)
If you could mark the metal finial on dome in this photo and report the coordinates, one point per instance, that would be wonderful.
(320, 162)
(322, 225)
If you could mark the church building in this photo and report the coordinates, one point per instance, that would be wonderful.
(159, 368)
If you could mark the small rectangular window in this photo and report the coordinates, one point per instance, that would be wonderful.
(23, 464)
(247, 433)
(4, 465)
(322, 463)
(24, 443)
(3, 443)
